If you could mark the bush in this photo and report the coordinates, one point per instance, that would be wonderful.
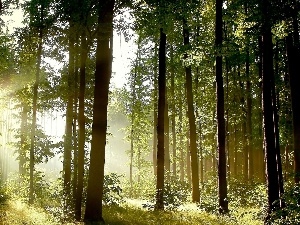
(176, 193)
(290, 214)
(112, 189)
(3, 195)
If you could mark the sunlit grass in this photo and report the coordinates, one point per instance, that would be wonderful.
(16, 212)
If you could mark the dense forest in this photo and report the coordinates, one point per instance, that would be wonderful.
(205, 129)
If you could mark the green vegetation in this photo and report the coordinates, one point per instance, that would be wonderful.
(204, 129)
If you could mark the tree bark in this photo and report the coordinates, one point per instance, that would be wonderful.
(160, 122)
(272, 177)
(223, 202)
(69, 120)
(23, 138)
(192, 121)
(81, 124)
(155, 100)
(34, 109)
(93, 210)
(293, 53)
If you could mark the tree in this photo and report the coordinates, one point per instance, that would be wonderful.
(222, 182)
(160, 121)
(192, 123)
(271, 156)
(292, 45)
(93, 210)
(81, 124)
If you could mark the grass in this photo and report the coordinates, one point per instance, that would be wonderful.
(16, 212)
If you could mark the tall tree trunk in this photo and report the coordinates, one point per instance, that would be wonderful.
(174, 166)
(34, 109)
(160, 122)
(81, 125)
(22, 151)
(249, 117)
(93, 210)
(180, 129)
(69, 121)
(74, 127)
(292, 42)
(132, 121)
(155, 99)
(192, 121)
(167, 139)
(223, 203)
(275, 105)
(268, 112)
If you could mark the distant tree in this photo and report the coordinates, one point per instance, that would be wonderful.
(93, 210)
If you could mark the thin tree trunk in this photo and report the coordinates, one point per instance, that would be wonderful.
(167, 141)
(155, 99)
(223, 203)
(74, 127)
(69, 121)
(81, 124)
(160, 122)
(192, 122)
(174, 166)
(181, 140)
(34, 110)
(22, 151)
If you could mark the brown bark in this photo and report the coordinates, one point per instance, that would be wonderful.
(292, 42)
(272, 177)
(192, 122)
(81, 125)
(155, 100)
(160, 122)
(69, 119)
(34, 109)
(223, 203)
(93, 210)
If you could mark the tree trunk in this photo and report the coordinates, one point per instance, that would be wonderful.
(292, 42)
(223, 202)
(81, 124)
(69, 121)
(160, 122)
(272, 178)
(180, 129)
(174, 166)
(74, 127)
(93, 210)
(22, 151)
(249, 118)
(192, 121)
(154, 152)
(167, 140)
(34, 109)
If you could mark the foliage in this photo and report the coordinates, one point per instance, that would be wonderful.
(112, 191)
(176, 194)
(290, 214)
(4, 197)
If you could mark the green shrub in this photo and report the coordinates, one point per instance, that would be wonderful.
(290, 214)
(112, 191)
(176, 193)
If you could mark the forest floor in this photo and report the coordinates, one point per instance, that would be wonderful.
(15, 212)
